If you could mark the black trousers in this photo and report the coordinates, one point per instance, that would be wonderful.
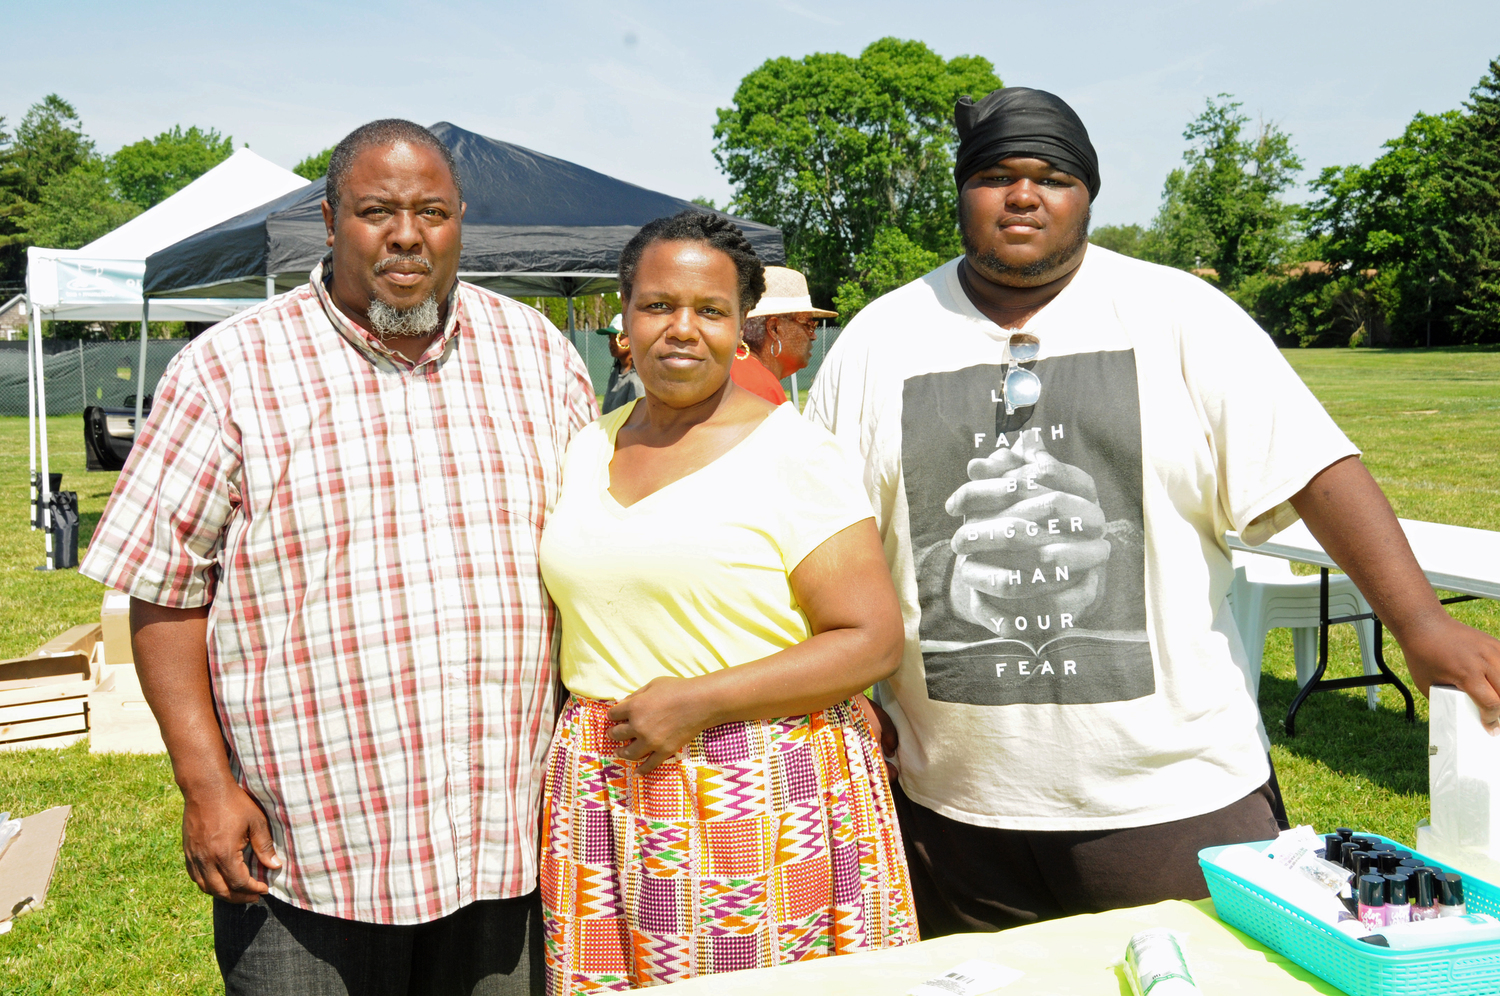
(489, 948)
(971, 878)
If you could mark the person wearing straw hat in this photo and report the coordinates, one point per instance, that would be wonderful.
(624, 382)
(778, 333)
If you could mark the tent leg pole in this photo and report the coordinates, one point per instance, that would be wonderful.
(140, 373)
(31, 340)
(83, 381)
(270, 286)
(41, 422)
(570, 313)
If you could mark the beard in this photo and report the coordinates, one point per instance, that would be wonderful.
(390, 322)
(1031, 274)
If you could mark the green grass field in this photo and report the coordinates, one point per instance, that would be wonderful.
(123, 918)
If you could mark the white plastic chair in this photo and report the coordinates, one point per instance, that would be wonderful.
(1266, 595)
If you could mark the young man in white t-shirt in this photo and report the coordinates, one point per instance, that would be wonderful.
(1072, 717)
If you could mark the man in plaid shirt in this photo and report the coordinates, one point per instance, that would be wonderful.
(328, 530)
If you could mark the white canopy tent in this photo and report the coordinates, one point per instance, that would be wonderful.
(103, 281)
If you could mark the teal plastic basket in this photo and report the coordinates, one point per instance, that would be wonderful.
(1357, 968)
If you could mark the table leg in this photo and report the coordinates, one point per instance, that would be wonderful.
(1317, 675)
(1317, 683)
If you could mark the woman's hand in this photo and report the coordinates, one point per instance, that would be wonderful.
(659, 719)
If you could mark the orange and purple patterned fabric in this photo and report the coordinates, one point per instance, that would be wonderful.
(761, 843)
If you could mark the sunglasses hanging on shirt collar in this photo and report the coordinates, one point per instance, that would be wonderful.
(1022, 387)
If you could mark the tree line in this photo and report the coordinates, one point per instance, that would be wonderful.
(57, 190)
(852, 157)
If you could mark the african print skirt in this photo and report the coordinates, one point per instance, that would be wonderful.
(760, 843)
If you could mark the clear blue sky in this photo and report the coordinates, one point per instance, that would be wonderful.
(630, 88)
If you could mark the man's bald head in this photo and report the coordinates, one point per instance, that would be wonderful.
(384, 132)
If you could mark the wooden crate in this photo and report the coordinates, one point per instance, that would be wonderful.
(44, 701)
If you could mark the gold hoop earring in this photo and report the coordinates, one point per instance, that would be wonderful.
(622, 341)
(743, 352)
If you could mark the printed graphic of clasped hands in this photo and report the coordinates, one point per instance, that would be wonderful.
(1031, 551)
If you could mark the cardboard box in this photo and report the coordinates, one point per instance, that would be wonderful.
(44, 701)
(27, 865)
(82, 639)
(114, 619)
(120, 721)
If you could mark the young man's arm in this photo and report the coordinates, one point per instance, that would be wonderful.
(218, 818)
(1348, 514)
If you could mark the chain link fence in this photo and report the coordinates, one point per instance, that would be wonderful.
(82, 373)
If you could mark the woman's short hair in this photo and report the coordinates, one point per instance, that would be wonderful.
(711, 230)
(754, 331)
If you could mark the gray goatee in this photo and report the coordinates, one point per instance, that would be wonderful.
(390, 322)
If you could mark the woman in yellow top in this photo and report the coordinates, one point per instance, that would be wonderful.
(713, 799)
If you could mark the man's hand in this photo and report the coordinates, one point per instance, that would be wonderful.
(1446, 652)
(1348, 514)
(658, 720)
(1026, 511)
(219, 820)
(217, 825)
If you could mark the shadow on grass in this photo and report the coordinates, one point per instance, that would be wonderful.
(1337, 729)
(87, 523)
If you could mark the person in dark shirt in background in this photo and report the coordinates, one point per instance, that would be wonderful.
(624, 383)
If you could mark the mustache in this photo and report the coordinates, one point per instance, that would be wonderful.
(390, 261)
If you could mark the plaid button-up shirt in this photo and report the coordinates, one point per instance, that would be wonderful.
(365, 532)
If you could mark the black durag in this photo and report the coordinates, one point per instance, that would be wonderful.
(1018, 121)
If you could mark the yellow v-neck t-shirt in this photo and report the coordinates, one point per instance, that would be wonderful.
(693, 577)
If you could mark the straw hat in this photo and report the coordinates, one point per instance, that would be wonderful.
(786, 294)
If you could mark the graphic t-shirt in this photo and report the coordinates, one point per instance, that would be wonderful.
(1071, 662)
(696, 576)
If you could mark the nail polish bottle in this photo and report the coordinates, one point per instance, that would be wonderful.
(1345, 833)
(1346, 852)
(1372, 901)
(1397, 909)
(1451, 895)
(1424, 895)
(1387, 860)
(1365, 863)
(1331, 847)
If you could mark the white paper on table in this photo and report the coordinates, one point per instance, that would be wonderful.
(970, 978)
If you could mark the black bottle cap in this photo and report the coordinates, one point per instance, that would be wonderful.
(1411, 864)
(1365, 840)
(1403, 855)
(1371, 890)
(1365, 863)
(1425, 886)
(1388, 861)
(1451, 889)
(1347, 850)
(1345, 833)
(1383, 845)
(1396, 889)
(1331, 844)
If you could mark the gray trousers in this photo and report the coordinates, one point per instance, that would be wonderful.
(489, 948)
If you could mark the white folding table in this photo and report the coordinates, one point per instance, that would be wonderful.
(1454, 558)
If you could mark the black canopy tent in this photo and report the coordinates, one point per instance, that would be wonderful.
(535, 226)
